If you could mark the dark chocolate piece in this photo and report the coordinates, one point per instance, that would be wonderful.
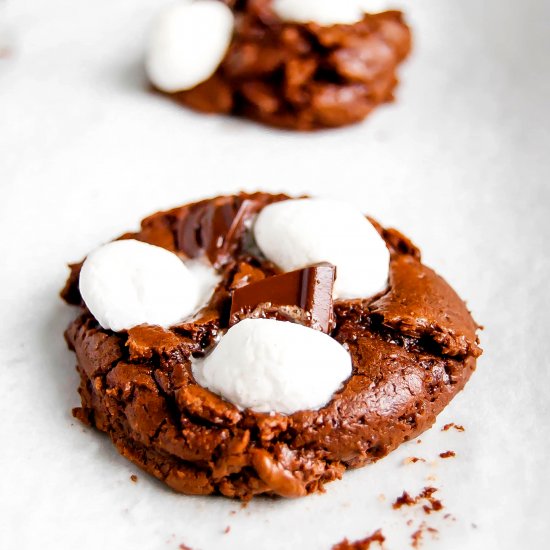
(215, 227)
(308, 289)
(205, 228)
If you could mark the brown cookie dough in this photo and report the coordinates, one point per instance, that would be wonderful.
(413, 347)
(303, 76)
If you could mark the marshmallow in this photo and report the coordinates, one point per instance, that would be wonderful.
(188, 42)
(274, 366)
(323, 12)
(296, 233)
(207, 279)
(128, 283)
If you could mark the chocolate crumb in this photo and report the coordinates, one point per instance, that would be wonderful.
(416, 538)
(413, 459)
(134, 478)
(447, 454)
(418, 535)
(363, 544)
(227, 529)
(434, 505)
(457, 427)
(427, 492)
(418, 441)
(404, 500)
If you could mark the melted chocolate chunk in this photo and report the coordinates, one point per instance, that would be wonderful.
(215, 228)
(304, 295)
(205, 229)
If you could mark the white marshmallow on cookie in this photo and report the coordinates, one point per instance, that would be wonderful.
(329, 12)
(128, 283)
(274, 366)
(322, 12)
(188, 42)
(296, 233)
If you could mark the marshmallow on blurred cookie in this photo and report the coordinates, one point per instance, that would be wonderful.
(296, 233)
(128, 283)
(188, 42)
(322, 12)
(274, 366)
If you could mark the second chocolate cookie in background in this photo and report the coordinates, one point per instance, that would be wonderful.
(296, 64)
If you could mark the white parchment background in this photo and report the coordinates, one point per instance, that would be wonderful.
(459, 163)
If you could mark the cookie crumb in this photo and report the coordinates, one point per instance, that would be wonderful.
(416, 538)
(363, 544)
(413, 459)
(227, 529)
(457, 427)
(404, 500)
(418, 535)
(184, 547)
(134, 478)
(434, 505)
(447, 454)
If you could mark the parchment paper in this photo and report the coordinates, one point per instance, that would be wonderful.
(459, 163)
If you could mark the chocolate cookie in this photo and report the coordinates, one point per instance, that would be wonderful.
(300, 75)
(413, 346)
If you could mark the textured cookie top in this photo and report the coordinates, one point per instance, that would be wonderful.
(413, 346)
